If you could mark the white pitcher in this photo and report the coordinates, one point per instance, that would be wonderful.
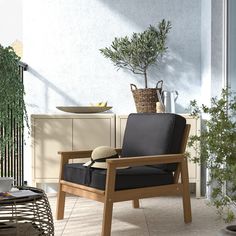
(170, 98)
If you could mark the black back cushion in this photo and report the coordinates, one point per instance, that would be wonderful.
(153, 134)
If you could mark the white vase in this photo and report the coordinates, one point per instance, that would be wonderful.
(170, 98)
(6, 184)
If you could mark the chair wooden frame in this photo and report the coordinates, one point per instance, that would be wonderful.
(110, 195)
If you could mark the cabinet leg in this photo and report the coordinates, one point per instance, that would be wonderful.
(198, 189)
(135, 203)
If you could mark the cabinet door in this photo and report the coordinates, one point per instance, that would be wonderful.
(193, 168)
(49, 137)
(120, 129)
(89, 133)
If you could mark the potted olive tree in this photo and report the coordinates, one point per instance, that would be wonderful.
(12, 105)
(137, 54)
(218, 150)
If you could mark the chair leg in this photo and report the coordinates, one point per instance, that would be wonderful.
(107, 218)
(186, 193)
(60, 204)
(187, 207)
(135, 203)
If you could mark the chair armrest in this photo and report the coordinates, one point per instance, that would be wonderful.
(112, 164)
(146, 160)
(80, 154)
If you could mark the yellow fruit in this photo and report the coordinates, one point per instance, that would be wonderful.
(104, 104)
(99, 104)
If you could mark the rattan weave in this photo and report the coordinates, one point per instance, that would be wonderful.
(145, 99)
(26, 216)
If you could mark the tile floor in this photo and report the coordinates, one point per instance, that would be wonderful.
(156, 217)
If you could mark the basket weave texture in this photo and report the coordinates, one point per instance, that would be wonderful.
(145, 99)
(26, 216)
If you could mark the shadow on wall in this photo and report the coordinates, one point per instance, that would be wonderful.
(140, 12)
(180, 75)
(176, 73)
(48, 85)
(180, 68)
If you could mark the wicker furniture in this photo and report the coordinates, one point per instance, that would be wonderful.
(26, 216)
(145, 99)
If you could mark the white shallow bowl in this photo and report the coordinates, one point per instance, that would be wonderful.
(6, 184)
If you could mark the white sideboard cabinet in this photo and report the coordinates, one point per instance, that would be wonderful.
(194, 169)
(53, 133)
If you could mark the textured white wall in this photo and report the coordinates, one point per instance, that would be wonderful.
(62, 41)
(217, 47)
(206, 51)
(61, 45)
(232, 46)
(10, 21)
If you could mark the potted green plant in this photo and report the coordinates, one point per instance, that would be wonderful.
(218, 149)
(137, 54)
(12, 105)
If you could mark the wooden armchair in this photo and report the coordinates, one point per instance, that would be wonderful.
(153, 148)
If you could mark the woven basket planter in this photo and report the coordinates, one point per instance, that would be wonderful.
(145, 99)
(26, 216)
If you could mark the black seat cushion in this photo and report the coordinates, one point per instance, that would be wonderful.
(133, 177)
(153, 134)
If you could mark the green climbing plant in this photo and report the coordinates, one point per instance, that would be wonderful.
(12, 105)
(140, 51)
(218, 149)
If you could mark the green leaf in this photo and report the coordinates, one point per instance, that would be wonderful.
(141, 50)
(12, 106)
(218, 147)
